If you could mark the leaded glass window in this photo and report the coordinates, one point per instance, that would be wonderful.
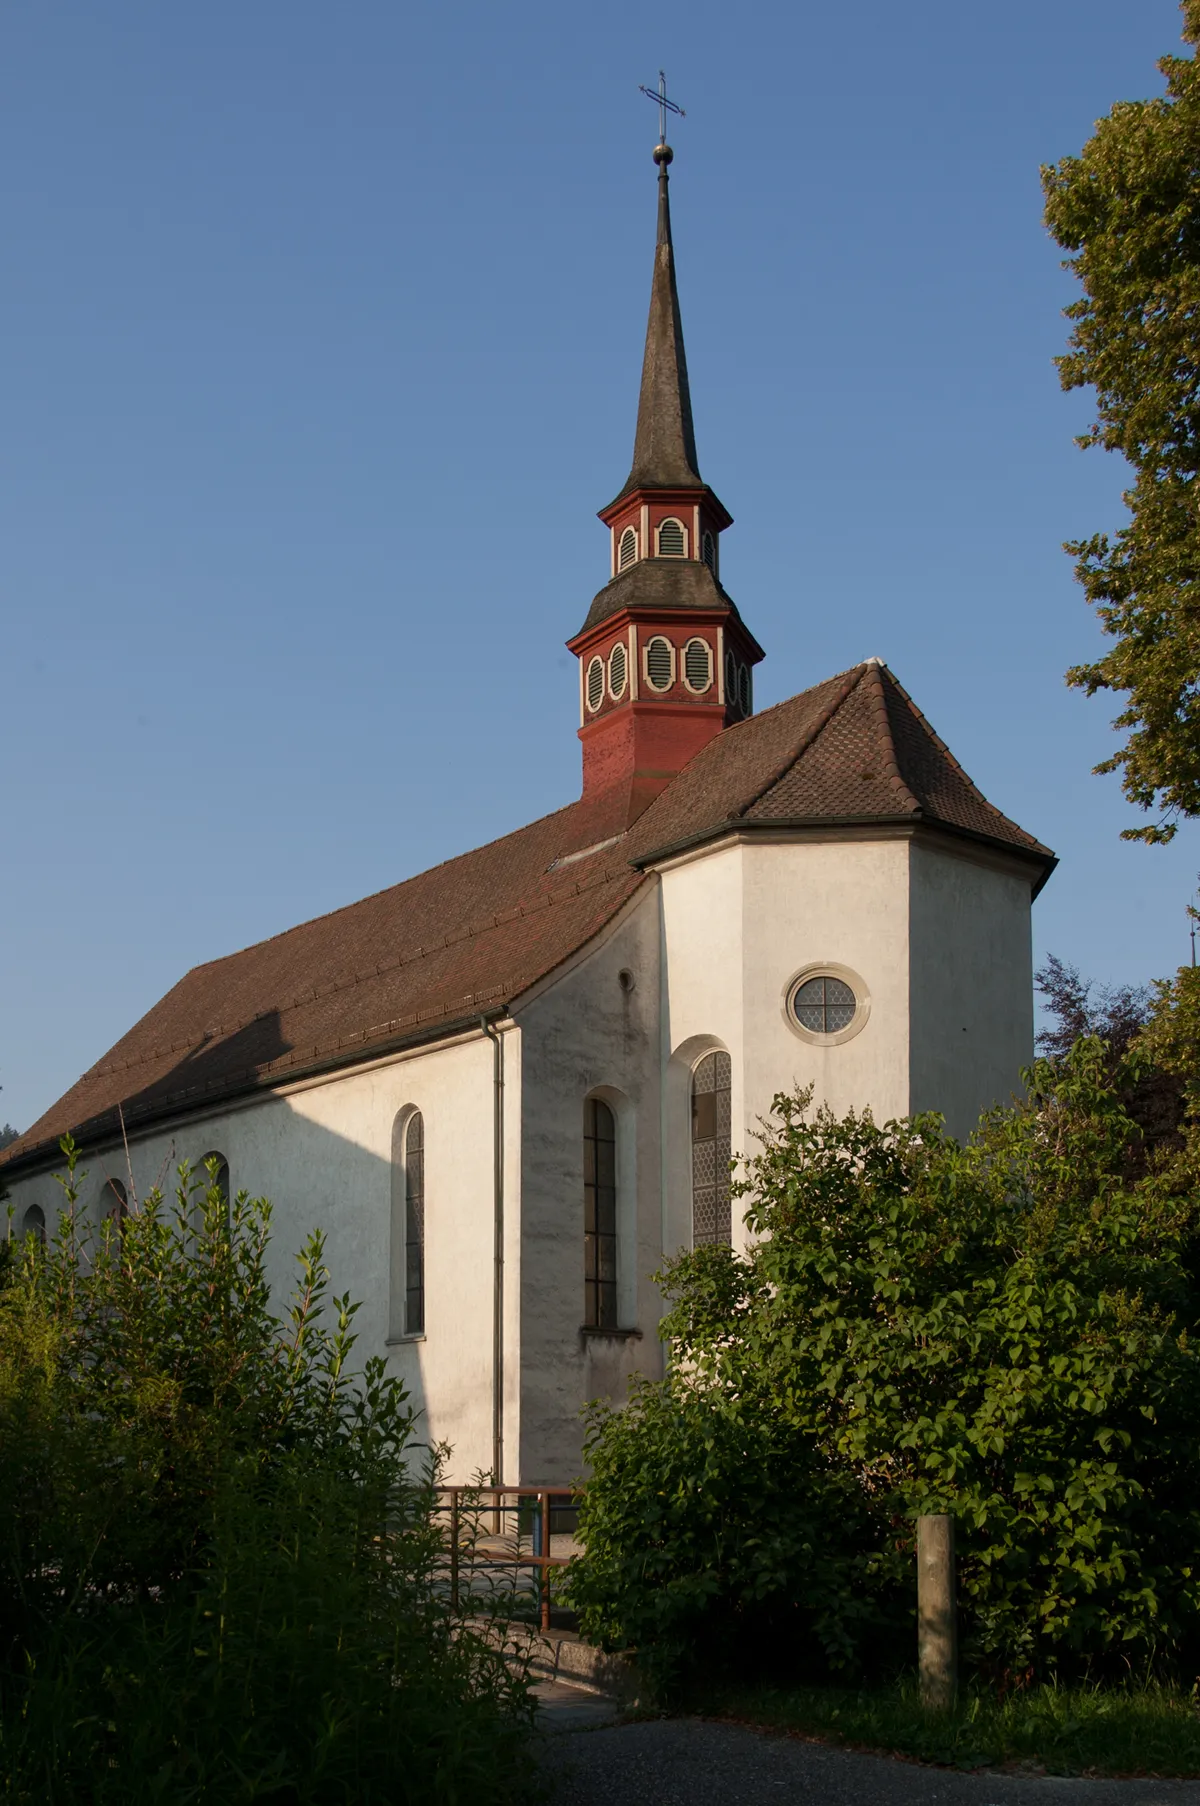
(599, 1215)
(711, 1221)
(824, 1005)
(414, 1226)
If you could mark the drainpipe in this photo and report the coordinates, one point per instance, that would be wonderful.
(497, 1041)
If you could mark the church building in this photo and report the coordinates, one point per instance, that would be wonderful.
(509, 1088)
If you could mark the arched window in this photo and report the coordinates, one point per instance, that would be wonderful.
(618, 670)
(114, 1203)
(697, 665)
(599, 1215)
(711, 1220)
(744, 693)
(672, 541)
(708, 551)
(660, 663)
(222, 1178)
(627, 549)
(731, 683)
(595, 683)
(414, 1226)
(34, 1222)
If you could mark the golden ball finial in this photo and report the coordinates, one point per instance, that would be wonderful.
(663, 154)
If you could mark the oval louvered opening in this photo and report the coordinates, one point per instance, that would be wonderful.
(660, 663)
(731, 686)
(595, 684)
(708, 551)
(670, 539)
(697, 665)
(627, 550)
(618, 670)
(744, 688)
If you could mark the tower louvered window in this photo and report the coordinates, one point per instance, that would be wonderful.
(595, 684)
(618, 670)
(744, 688)
(711, 1145)
(671, 542)
(708, 551)
(599, 1215)
(414, 1226)
(660, 663)
(627, 550)
(697, 665)
(731, 686)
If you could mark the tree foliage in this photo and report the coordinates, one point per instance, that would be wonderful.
(1128, 210)
(1002, 1330)
(218, 1561)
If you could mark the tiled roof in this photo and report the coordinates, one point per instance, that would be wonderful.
(471, 935)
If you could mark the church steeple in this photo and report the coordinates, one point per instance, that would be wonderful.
(664, 449)
(664, 657)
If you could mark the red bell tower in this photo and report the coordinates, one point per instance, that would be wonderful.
(664, 657)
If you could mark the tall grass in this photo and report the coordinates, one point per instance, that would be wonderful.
(219, 1565)
(1101, 1730)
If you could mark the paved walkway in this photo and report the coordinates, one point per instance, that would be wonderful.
(597, 1761)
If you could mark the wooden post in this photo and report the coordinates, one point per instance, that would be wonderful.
(937, 1612)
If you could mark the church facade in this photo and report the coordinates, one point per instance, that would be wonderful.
(508, 1088)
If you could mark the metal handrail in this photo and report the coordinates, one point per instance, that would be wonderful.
(538, 1499)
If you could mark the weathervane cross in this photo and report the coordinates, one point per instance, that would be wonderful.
(659, 97)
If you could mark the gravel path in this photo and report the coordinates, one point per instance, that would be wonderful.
(690, 1762)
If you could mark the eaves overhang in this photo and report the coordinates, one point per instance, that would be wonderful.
(736, 826)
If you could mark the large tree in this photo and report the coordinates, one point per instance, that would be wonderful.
(1128, 210)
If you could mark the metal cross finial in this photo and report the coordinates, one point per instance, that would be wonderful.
(659, 97)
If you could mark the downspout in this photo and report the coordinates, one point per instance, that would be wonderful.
(497, 1042)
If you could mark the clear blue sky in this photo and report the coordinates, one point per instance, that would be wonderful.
(323, 329)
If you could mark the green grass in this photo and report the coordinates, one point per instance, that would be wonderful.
(1147, 1730)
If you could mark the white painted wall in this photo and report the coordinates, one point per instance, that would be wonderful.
(970, 984)
(586, 1035)
(323, 1157)
(940, 940)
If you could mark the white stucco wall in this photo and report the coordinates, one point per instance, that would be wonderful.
(970, 984)
(323, 1156)
(587, 1035)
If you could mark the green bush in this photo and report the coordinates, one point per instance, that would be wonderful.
(218, 1559)
(1001, 1330)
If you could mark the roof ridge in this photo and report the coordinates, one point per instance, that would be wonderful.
(849, 683)
(914, 709)
(875, 670)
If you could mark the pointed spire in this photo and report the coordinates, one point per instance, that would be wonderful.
(664, 450)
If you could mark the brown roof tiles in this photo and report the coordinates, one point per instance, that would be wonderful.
(470, 936)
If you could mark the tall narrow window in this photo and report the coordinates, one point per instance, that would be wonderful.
(414, 1226)
(599, 1215)
(671, 540)
(627, 550)
(34, 1222)
(711, 1220)
(708, 551)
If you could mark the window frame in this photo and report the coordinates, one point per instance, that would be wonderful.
(670, 520)
(827, 969)
(697, 639)
(594, 708)
(399, 1264)
(623, 563)
(658, 689)
(601, 1226)
(722, 1235)
(615, 693)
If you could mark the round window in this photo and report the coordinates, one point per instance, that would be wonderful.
(618, 663)
(595, 684)
(824, 1006)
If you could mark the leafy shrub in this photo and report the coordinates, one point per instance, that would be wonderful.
(1000, 1330)
(218, 1561)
